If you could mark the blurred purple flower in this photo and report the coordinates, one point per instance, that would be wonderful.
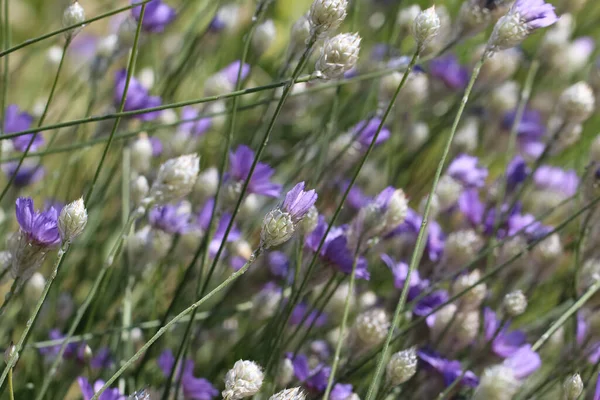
(73, 350)
(87, 391)
(231, 72)
(299, 313)
(523, 362)
(335, 249)
(315, 379)
(506, 343)
(450, 370)
(466, 170)
(102, 359)
(40, 227)
(279, 263)
(260, 182)
(556, 179)
(194, 126)
(530, 127)
(156, 16)
(356, 197)
(365, 131)
(170, 218)
(204, 219)
(17, 121)
(193, 388)
(26, 175)
(448, 70)
(137, 98)
(341, 391)
(516, 172)
(429, 303)
(435, 236)
(399, 271)
(471, 206)
(297, 202)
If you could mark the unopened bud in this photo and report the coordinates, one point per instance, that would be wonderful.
(326, 15)
(175, 179)
(402, 366)
(34, 287)
(73, 15)
(573, 387)
(289, 394)
(515, 303)
(264, 36)
(141, 154)
(372, 326)
(10, 352)
(497, 382)
(72, 220)
(339, 55)
(139, 189)
(277, 228)
(426, 26)
(243, 380)
(576, 103)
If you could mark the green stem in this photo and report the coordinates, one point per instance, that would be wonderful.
(10, 363)
(16, 285)
(11, 393)
(179, 316)
(41, 120)
(419, 245)
(5, 71)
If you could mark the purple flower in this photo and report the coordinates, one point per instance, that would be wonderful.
(597, 391)
(204, 219)
(526, 224)
(427, 304)
(466, 170)
(102, 359)
(523, 362)
(194, 126)
(335, 249)
(137, 98)
(506, 343)
(193, 388)
(16, 121)
(297, 202)
(530, 127)
(279, 263)
(170, 218)
(356, 197)
(157, 15)
(399, 271)
(449, 369)
(471, 207)
(341, 391)
(260, 182)
(535, 13)
(87, 391)
(231, 72)
(41, 227)
(556, 179)
(26, 175)
(365, 131)
(435, 237)
(73, 350)
(516, 172)
(448, 70)
(300, 312)
(157, 146)
(315, 379)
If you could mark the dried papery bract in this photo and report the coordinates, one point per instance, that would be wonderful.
(175, 179)
(326, 15)
(426, 27)
(573, 387)
(74, 14)
(243, 380)
(339, 55)
(72, 220)
(402, 366)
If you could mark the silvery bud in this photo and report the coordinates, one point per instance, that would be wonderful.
(573, 387)
(406, 18)
(515, 303)
(72, 220)
(289, 394)
(140, 395)
(396, 212)
(497, 383)
(73, 15)
(54, 55)
(402, 366)
(243, 380)
(448, 191)
(577, 102)
(372, 326)
(461, 247)
(176, 178)
(339, 55)
(277, 228)
(264, 36)
(326, 15)
(34, 287)
(426, 26)
(285, 373)
(139, 189)
(472, 299)
(310, 221)
(10, 352)
(207, 183)
(141, 154)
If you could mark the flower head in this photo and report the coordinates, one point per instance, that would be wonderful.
(297, 202)
(466, 169)
(157, 15)
(243, 380)
(339, 55)
(88, 391)
(449, 369)
(175, 179)
(260, 182)
(16, 121)
(170, 218)
(193, 388)
(138, 97)
(326, 15)
(72, 220)
(448, 70)
(41, 227)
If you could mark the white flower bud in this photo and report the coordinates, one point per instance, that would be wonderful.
(176, 178)
(497, 383)
(473, 18)
(108, 45)
(339, 55)
(300, 33)
(499, 66)
(577, 102)
(265, 303)
(141, 395)
(243, 380)
(467, 136)
(396, 211)
(34, 287)
(472, 299)
(456, 329)
(277, 228)
(73, 15)
(264, 36)
(372, 326)
(461, 247)
(146, 77)
(509, 32)
(548, 250)
(327, 15)
(217, 84)
(207, 183)
(310, 221)
(335, 306)
(402, 366)
(448, 191)
(415, 90)
(289, 394)
(573, 387)
(285, 373)
(406, 18)
(416, 136)
(367, 300)
(250, 205)
(72, 220)
(426, 26)
(504, 97)
(515, 303)
(126, 32)
(139, 189)
(141, 154)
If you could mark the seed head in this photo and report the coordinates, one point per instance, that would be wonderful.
(515, 303)
(426, 27)
(402, 366)
(577, 102)
(289, 394)
(243, 380)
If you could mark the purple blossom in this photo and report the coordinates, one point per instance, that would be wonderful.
(26, 175)
(450, 370)
(73, 350)
(203, 221)
(400, 271)
(448, 70)
(300, 312)
(341, 391)
(260, 182)
(466, 170)
(279, 263)
(193, 388)
(516, 172)
(556, 179)
(526, 224)
(40, 227)
(523, 362)
(297, 202)
(87, 391)
(157, 15)
(335, 249)
(356, 197)
(531, 126)
(315, 379)
(435, 236)
(193, 126)
(170, 218)
(157, 146)
(102, 359)
(428, 304)
(597, 391)
(506, 343)
(137, 98)
(231, 72)
(471, 206)
(365, 131)
(535, 13)
(17, 121)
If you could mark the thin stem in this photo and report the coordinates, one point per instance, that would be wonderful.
(10, 363)
(566, 315)
(179, 316)
(16, 285)
(11, 394)
(419, 245)
(41, 120)
(5, 71)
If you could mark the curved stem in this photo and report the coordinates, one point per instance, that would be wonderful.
(420, 244)
(179, 316)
